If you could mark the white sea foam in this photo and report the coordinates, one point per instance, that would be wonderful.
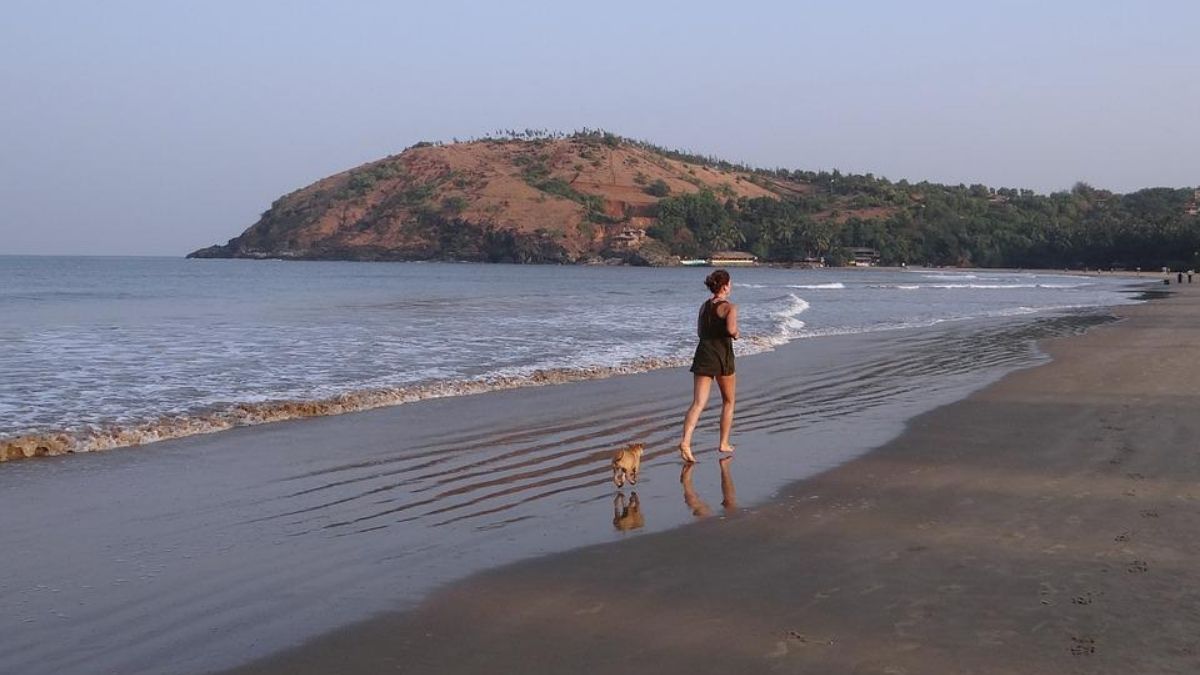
(787, 325)
(831, 286)
(949, 275)
(933, 321)
(983, 286)
(978, 286)
(104, 437)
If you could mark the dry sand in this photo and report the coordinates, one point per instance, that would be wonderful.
(1046, 524)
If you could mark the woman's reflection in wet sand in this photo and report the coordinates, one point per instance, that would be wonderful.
(728, 493)
(699, 508)
(693, 501)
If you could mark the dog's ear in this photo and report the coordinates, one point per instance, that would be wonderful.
(637, 447)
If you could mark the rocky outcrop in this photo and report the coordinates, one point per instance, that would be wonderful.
(532, 201)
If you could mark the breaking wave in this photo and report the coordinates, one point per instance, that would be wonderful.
(831, 286)
(166, 427)
(1006, 286)
(250, 414)
(949, 276)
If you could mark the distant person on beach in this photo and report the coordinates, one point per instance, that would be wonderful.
(717, 328)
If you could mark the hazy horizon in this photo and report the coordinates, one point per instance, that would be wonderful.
(146, 128)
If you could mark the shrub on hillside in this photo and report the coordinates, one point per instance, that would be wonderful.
(658, 188)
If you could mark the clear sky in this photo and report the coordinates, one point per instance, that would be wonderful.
(160, 126)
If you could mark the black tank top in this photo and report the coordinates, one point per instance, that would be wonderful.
(710, 325)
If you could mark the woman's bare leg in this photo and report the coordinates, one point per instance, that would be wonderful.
(701, 386)
(728, 386)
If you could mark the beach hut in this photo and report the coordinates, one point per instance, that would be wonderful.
(629, 238)
(864, 257)
(732, 259)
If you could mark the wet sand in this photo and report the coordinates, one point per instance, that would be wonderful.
(1046, 524)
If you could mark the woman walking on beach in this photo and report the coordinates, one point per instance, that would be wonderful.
(717, 328)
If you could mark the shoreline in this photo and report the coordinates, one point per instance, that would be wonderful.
(1041, 525)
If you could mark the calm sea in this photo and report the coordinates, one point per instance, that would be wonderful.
(114, 351)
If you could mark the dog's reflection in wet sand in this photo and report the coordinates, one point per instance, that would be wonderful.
(698, 506)
(627, 515)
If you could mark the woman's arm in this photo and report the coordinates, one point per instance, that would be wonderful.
(731, 321)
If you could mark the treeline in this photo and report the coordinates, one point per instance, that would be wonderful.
(826, 213)
(935, 224)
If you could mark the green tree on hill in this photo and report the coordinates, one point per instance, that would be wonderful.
(701, 214)
(658, 188)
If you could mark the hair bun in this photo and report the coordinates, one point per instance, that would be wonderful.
(716, 280)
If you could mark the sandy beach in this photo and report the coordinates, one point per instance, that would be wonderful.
(1045, 524)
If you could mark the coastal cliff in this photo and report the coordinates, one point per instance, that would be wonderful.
(584, 198)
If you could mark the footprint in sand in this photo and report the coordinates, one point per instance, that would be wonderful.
(1137, 567)
(1045, 593)
(1124, 536)
(803, 639)
(1149, 513)
(1134, 476)
(1082, 646)
(1085, 599)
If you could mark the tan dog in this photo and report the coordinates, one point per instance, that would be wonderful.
(627, 517)
(625, 464)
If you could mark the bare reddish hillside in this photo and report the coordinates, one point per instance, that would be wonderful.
(561, 200)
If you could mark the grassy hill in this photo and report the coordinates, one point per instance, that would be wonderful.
(593, 195)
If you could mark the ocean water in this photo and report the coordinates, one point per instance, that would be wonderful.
(101, 352)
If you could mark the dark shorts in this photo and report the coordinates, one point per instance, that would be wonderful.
(714, 358)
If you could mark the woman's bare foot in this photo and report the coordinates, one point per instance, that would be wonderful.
(725, 448)
(685, 452)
